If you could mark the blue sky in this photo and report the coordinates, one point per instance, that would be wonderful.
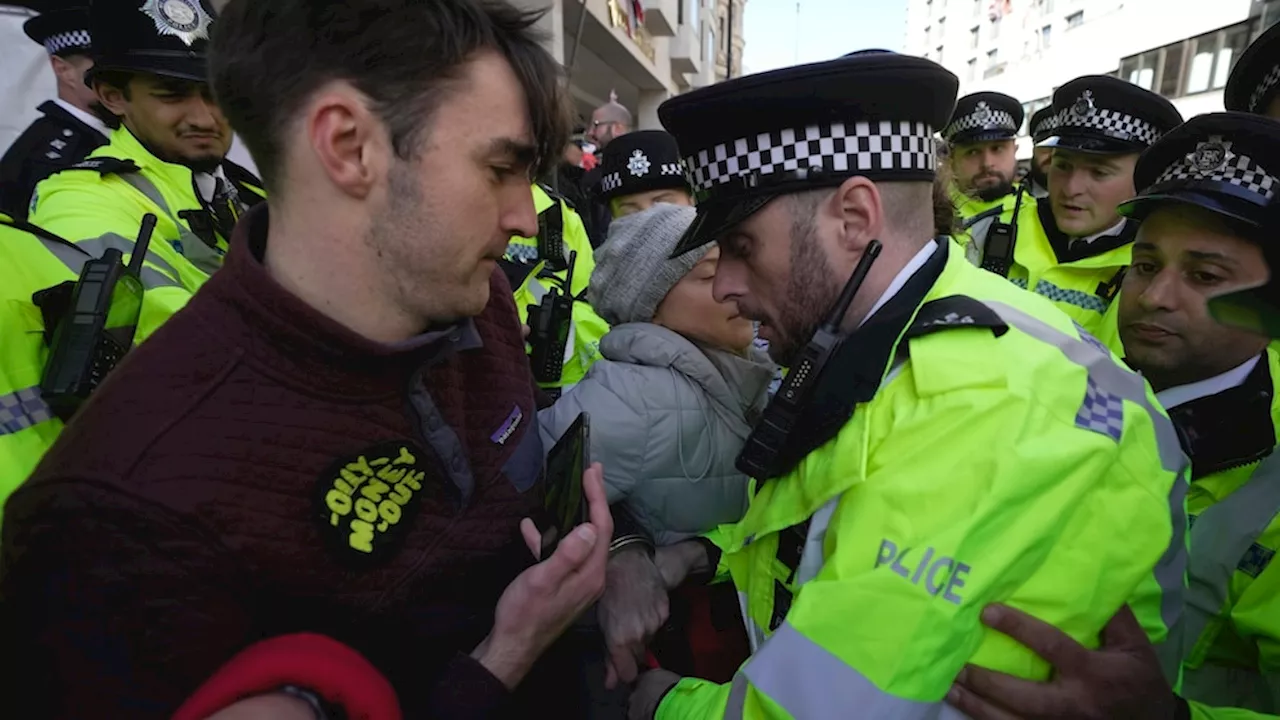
(778, 36)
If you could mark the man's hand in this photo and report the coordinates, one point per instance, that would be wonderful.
(544, 600)
(1122, 679)
(634, 606)
(648, 693)
(677, 562)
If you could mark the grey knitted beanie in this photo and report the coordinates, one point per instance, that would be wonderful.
(633, 273)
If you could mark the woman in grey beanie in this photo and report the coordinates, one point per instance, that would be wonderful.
(679, 385)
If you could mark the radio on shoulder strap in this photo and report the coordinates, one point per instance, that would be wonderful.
(549, 323)
(997, 251)
(97, 326)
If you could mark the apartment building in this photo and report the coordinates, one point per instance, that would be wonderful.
(729, 14)
(1182, 49)
(645, 51)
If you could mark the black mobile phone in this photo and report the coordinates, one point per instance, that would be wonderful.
(565, 502)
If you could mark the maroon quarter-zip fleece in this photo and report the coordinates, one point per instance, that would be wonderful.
(254, 469)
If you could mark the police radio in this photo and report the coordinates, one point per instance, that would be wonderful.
(759, 456)
(549, 323)
(997, 251)
(98, 327)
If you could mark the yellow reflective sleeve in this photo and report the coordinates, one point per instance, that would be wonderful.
(27, 426)
(158, 305)
(1200, 711)
(694, 699)
(719, 537)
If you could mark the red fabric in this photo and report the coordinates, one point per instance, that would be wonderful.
(326, 667)
(718, 644)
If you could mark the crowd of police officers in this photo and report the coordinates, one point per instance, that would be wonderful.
(1131, 221)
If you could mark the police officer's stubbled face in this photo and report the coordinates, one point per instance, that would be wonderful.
(985, 167)
(1182, 256)
(1085, 189)
(177, 120)
(690, 308)
(639, 202)
(786, 286)
(442, 220)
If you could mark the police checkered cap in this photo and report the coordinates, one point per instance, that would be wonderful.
(1112, 123)
(982, 118)
(64, 41)
(850, 148)
(1048, 123)
(613, 180)
(1233, 169)
(1268, 83)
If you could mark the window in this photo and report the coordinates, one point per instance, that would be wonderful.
(991, 58)
(693, 12)
(1188, 66)
(928, 35)
(942, 29)
(709, 47)
(1269, 16)
(1046, 37)
(680, 10)
(973, 38)
(1234, 41)
(722, 21)
(972, 73)
(1075, 19)
(1171, 70)
(994, 32)
(1045, 7)
(1141, 69)
(977, 9)
(939, 54)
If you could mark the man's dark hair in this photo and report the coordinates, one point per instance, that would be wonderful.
(267, 58)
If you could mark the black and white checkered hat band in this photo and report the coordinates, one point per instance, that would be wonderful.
(613, 180)
(982, 120)
(1046, 126)
(1112, 123)
(838, 147)
(1267, 85)
(61, 42)
(1239, 170)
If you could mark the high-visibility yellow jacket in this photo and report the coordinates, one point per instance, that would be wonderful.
(975, 217)
(1084, 286)
(555, 214)
(1232, 667)
(994, 454)
(99, 203)
(30, 262)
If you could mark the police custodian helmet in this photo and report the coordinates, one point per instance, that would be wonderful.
(1106, 115)
(748, 140)
(164, 37)
(984, 117)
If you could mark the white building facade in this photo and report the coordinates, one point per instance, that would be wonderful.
(605, 48)
(1182, 49)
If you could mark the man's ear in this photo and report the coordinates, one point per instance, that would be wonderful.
(63, 70)
(111, 97)
(350, 143)
(861, 212)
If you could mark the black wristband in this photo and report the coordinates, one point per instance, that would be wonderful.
(713, 562)
(1183, 709)
(318, 705)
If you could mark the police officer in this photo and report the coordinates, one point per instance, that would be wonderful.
(965, 444)
(168, 156)
(1041, 125)
(32, 260)
(538, 265)
(1206, 187)
(1074, 247)
(639, 169)
(1254, 83)
(71, 125)
(980, 138)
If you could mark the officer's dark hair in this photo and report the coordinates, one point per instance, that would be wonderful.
(118, 79)
(267, 58)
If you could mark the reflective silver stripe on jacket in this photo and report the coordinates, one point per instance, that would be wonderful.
(1220, 538)
(23, 409)
(811, 683)
(75, 258)
(1106, 375)
(193, 248)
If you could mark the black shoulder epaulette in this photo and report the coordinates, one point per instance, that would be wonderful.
(995, 211)
(557, 197)
(104, 166)
(955, 311)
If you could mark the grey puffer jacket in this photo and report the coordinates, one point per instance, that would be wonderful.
(667, 421)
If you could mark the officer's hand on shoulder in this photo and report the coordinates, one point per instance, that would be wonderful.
(1121, 679)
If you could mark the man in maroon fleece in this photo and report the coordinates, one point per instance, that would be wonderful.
(337, 435)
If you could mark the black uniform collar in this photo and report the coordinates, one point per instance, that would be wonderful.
(1231, 428)
(52, 109)
(1061, 242)
(854, 372)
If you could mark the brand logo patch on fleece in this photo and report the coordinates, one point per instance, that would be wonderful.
(504, 433)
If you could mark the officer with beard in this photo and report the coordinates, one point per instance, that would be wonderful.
(982, 154)
(943, 439)
(167, 158)
(1043, 121)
